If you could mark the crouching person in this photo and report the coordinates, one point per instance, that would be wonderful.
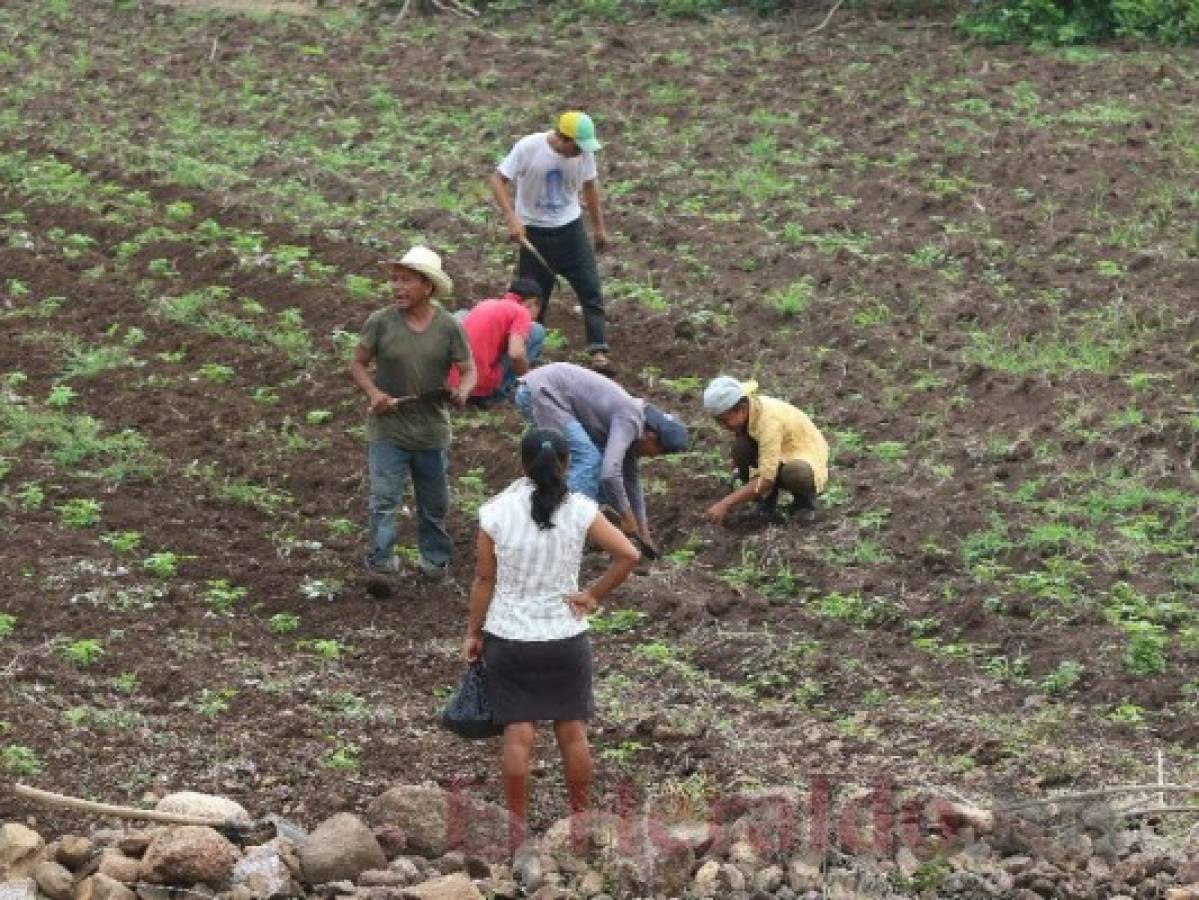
(775, 447)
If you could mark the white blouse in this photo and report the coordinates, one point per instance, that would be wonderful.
(537, 569)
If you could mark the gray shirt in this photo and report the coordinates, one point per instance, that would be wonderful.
(614, 420)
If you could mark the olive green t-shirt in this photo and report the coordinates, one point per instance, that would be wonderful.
(408, 363)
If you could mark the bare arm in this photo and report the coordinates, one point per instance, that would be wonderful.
(518, 354)
(500, 189)
(757, 487)
(624, 558)
(481, 591)
(380, 403)
(595, 210)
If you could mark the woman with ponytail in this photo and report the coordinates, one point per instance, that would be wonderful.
(528, 618)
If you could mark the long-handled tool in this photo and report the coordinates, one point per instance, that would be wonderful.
(239, 832)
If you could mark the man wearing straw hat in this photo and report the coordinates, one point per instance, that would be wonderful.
(550, 170)
(412, 343)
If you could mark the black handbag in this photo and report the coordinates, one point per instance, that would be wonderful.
(468, 712)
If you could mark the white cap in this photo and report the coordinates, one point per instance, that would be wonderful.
(722, 394)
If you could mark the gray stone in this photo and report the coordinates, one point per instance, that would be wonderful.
(449, 887)
(54, 880)
(406, 869)
(769, 879)
(382, 878)
(263, 873)
(804, 874)
(204, 806)
(135, 843)
(591, 883)
(341, 847)
(21, 849)
(18, 889)
(189, 854)
(706, 882)
(731, 878)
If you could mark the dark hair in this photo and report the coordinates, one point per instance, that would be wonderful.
(543, 453)
(527, 286)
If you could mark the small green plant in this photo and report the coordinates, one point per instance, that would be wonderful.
(223, 596)
(7, 623)
(60, 396)
(125, 683)
(164, 564)
(122, 542)
(283, 623)
(20, 760)
(82, 652)
(79, 512)
(342, 527)
(318, 416)
(327, 649)
(617, 621)
(161, 268)
(1061, 679)
(344, 758)
(217, 372)
(793, 299)
(210, 702)
(1127, 713)
(1146, 653)
(180, 211)
(32, 496)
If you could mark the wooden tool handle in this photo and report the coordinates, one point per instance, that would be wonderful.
(48, 798)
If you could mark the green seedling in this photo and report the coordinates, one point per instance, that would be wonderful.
(327, 649)
(60, 396)
(342, 527)
(7, 623)
(283, 623)
(617, 621)
(343, 759)
(164, 564)
(217, 372)
(125, 683)
(20, 761)
(223, 596)
(212, 702)
(83, 652)
(122, 542)
(79, 512)
(1065, 676)
(31, 496)
(318, 416)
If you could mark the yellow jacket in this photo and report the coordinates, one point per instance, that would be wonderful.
(784, 433)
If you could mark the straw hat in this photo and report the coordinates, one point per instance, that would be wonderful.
(425, 262)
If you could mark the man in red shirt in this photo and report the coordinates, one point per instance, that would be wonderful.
(505, 340)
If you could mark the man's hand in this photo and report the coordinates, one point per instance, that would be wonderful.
(584, 603)
(472, 647)
(516, 231)
(382, 404)
(717, 512)
(628, 523)
(459, 396)
(648, 548)
(601, 240)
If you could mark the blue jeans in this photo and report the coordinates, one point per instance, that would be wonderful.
(586, 460)
(387, 464)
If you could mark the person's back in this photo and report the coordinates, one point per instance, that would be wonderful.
(777, 423)
(561, 392)
(537, 568)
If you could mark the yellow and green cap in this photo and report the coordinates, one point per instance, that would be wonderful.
(579, 128)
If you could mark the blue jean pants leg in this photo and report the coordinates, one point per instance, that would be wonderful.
(388, 465)
(583, 474)
(532, 350)
(432, 490)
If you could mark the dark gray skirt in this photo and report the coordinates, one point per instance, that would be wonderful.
(539, 681)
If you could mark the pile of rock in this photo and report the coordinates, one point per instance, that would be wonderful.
(423, 843)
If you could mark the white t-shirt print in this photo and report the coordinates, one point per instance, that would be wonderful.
(547, 184)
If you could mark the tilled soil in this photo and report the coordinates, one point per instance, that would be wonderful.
(763, 656)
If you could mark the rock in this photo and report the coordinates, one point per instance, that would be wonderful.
(744, 853)
(392, 840)
(590, 884)
(101, 887)
(1188, 892)
(116, 864)
(204, 806)
(731, 878)
(769, 879)
(21, 849)
(552, 892)
(341, 847)
(18, 889)
(449, 887)
(906, 861)
(707, 879)
(699, 836)
(54, 880)
(263, 873)
(477, 868)
(189, 854)
(454, 861)
(382, 878)
(406, 868)
(504, 889)
(435, 821)
(155, 892)
(135, 843)
(74, 851)
(803, 874)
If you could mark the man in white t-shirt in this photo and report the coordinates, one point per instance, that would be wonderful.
(550, 170)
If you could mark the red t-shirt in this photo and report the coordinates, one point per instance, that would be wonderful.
(488, 327)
